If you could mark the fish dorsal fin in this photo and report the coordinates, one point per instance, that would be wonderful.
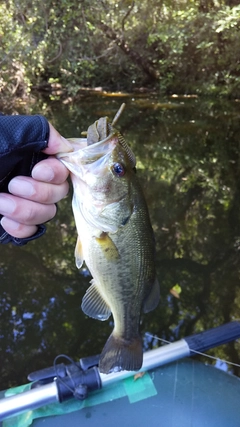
(152, 299)
(79, 253)
(94, 305)
(109, 248)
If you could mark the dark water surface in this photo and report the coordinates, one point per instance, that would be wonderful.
(188, 153)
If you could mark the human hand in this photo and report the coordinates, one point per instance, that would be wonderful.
(32, 199)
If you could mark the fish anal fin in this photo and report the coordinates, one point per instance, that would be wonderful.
(119, 354)
(78, 253)
(109, 248)
(94, 305)
(152, 299)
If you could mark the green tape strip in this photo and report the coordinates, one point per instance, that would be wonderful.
(140, 388)
(135, 390)
(17, 390)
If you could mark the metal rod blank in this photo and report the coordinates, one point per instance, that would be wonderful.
(151, 359)
(28, 400)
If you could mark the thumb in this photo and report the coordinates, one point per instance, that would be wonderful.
(57, 143)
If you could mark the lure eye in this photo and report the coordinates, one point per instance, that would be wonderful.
(118, 169)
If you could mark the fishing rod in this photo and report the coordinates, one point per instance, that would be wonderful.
(77, 379)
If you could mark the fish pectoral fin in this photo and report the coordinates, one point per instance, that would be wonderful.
(109, 248)
(152, 299)
(94, 305)
(78, 253)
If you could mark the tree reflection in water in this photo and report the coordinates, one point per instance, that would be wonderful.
(189, 163)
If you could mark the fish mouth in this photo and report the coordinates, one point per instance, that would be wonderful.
(98, 150)
(89, 154)
(88, 158)
(95, 151)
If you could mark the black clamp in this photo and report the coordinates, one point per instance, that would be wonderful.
(72, 380)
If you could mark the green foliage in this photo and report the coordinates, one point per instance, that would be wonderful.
(199, 50)
(175, 46)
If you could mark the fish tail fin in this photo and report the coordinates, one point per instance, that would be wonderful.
(120, 354)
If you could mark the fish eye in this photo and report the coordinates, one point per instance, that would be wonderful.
(118, 169)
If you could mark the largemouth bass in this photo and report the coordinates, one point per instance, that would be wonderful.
(115, 239)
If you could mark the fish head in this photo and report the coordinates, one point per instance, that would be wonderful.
(109, 175)
(101, 174)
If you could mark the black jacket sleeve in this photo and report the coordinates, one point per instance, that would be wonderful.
(21, 140)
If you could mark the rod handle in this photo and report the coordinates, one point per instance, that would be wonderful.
(213, 337)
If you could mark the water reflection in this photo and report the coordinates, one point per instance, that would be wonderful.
(188, 160)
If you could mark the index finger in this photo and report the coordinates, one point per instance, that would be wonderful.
(50, 170)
